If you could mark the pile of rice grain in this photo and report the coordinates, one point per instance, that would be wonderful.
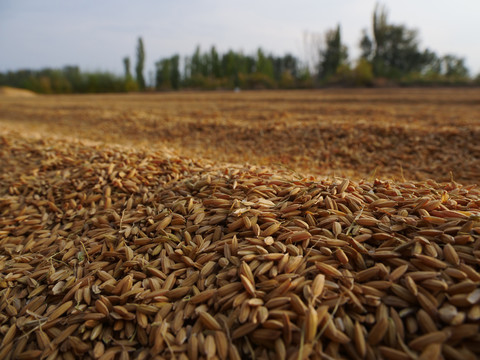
(114, 253)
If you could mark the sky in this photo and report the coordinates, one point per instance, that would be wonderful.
(97, 34)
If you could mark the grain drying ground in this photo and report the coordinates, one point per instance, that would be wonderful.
(151, 238)
(412, 134)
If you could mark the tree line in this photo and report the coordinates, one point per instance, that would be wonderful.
(390, 54)
(211, 70)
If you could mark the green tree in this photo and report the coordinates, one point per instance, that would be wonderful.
(140, 64)
(163, 75)
(126, 65)
(477, 79)
(284, 68)
(277, 67)
(366, 46)
(175, 71)
(230, 67)
(332, 56)
(74, 77)
(206, 65)
(215, 63)
(290, 64)
(264, 64)
(196, 63)
(103, 82)
(130, 83)
(248, 64)
(433, 64)
(167, 73)
(395, 48)
(454, 67)
(363, 73)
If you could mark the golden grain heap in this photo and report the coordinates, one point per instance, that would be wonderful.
(117, 253)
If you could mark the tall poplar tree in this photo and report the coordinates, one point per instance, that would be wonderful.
(126, 64)
(395, 48)
(140, 64)
(333, 55)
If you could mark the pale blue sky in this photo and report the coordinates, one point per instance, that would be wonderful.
(97, 34)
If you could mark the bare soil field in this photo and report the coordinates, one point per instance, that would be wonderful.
(339, 224)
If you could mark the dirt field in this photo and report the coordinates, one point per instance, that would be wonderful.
(190, 226)
(387, 133)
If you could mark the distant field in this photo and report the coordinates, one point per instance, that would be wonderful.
(414, 134)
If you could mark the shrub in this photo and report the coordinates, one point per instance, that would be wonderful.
(363, 73)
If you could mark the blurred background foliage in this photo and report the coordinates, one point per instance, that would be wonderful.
(390, 55)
